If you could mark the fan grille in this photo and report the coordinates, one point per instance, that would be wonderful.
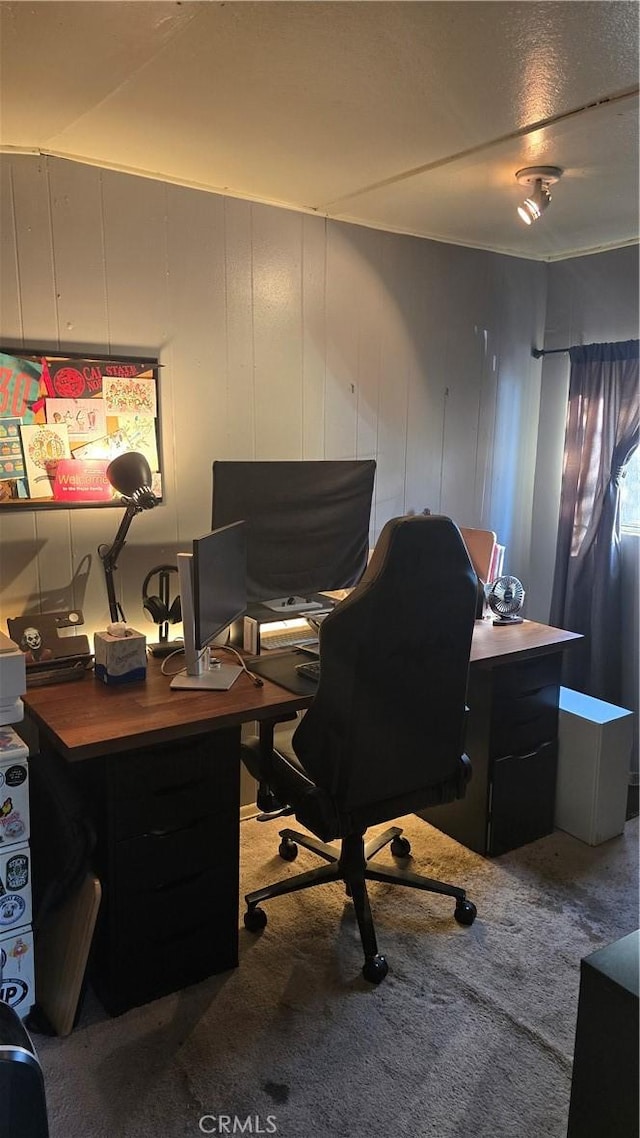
(506, 596)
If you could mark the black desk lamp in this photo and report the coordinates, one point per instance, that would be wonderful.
(130, 475)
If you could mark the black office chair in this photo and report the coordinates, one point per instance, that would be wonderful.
(384, 734)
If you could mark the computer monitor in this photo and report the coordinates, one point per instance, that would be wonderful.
(213, 595)
(307, 525)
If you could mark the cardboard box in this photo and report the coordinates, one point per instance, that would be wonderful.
(17, 976)
(15, 886)
(14, 788)
(120, 659)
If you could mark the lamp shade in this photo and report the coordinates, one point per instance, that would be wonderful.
(129, 473)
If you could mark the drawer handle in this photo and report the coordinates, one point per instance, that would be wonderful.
(180, 883)
(528, 721)
(532, 691)
(180, 936)
(173, 829)
(177, 787)
(165, 941)
(526, 754)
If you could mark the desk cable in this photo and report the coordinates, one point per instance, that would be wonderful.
(255, 680)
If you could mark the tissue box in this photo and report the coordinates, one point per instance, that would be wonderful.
(120, 659)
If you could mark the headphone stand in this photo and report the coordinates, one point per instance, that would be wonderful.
(163, 647)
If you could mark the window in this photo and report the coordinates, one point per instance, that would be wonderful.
(630, 494)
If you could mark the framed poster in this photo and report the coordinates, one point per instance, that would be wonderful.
(64, 417)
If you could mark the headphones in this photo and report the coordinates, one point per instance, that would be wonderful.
(156, 607)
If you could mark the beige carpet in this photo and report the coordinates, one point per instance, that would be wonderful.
(471, 1034)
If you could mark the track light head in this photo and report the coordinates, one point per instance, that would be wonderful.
(534, 205)
(540, 178)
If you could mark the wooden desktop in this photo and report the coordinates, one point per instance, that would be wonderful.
(160, 770)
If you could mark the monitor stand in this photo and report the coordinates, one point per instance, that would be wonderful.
(291, 606)
(216, 679)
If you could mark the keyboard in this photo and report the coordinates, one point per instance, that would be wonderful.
(311, 670)
(288, 638)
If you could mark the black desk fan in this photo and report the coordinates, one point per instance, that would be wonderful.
(505, 598)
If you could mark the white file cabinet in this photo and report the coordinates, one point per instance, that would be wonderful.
(594, 749)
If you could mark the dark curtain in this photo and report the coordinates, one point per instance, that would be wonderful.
(602, 433)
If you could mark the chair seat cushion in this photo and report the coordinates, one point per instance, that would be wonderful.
(315, 808)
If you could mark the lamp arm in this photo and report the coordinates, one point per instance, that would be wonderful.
(110, 556)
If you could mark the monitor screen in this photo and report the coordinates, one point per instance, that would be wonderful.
(307, 522)
(219, 591)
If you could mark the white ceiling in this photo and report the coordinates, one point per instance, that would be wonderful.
(406, 116)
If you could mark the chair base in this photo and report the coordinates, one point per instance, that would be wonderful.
(352, 863)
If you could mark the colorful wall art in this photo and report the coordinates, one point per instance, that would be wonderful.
(63, 418)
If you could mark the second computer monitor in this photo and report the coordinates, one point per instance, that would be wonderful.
(307, 522)
(219, 591)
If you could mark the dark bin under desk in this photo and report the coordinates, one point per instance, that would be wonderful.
(512, 741)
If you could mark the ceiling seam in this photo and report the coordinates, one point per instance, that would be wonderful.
(522, 132)
(151, 60)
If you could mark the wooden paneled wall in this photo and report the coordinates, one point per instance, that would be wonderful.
(281, 335)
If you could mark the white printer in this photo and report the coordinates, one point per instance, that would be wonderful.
(13, 681)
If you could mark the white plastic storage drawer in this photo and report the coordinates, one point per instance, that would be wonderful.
(594, 749)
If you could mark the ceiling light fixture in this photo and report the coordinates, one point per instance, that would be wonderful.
(540, 178)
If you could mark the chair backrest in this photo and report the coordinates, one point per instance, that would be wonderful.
(388, 716)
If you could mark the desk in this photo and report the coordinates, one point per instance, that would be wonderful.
(160, 770)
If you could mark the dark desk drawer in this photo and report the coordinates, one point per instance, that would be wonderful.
(138, 969)
(522, 802)
(148, 915)
(168, 764)
(165, 809)
(165, 787)
(158, 859)
(525, 677)
(521, 723)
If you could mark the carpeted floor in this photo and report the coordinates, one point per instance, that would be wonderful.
(471, 1034)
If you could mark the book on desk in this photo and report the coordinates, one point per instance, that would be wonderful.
(51, 657)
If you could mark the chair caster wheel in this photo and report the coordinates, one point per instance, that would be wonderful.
(255, 919)
(465, 912)
(400, 847)
(375, 969)
(288, 850)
